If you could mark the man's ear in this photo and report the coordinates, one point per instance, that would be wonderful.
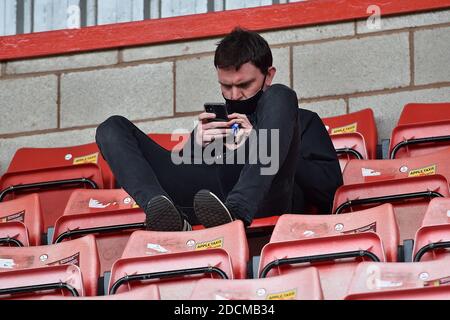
(270, 75)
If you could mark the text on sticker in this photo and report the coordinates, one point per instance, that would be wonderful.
(286, 295)
(217, 243)
(426, 171)
(345, 129)
(90, 158)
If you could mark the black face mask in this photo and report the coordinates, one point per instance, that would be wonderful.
(247, 106)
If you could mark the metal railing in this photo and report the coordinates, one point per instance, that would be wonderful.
(26, 16)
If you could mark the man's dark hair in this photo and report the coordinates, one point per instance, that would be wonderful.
(242, 46)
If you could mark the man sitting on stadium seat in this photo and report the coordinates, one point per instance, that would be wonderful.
(237, 169)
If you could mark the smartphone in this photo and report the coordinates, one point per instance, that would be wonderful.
(219, 109)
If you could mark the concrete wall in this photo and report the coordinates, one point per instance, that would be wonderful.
(335, 69)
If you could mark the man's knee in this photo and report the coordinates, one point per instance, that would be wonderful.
(280, 99)
(110, 128)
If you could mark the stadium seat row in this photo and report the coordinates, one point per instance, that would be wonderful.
(387, 212)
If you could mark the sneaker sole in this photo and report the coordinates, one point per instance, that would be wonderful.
(163, 216)
(209, 210)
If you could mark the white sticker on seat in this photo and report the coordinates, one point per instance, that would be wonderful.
(156, 247)
(388, 284)
(369, 172)
(308, 233)
(448, 213)
(7, 263)
(95, 204)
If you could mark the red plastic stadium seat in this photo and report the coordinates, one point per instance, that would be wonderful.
(13, 234)
(410, 198)
(84, 201)
(432, 240)
(174, 273)
(298, 285)
(412, 140)
(432, 243)
(349, 146)
(394, 281)
(380, 220)
(26, 210)
(330, 255)
(360, 171)
(424, 112)
(230, 237)
(31, 159)
(54, 186)
(264, 222)
(422, 128)
(424, 293)
(223, 248)
(362, 122)
(170, 142)
(111, 215)
(80, 252)
(149, 292)
(438, 212)
(34, 283)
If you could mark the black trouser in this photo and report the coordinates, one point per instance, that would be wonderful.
(144, 169)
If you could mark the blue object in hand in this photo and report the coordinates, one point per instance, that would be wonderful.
(235, 128)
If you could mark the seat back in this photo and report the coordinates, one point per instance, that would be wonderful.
(178, 253)
(92, 201)
(13, 234)
(174, 273)
(416, 280)
(30, 159)
(425, 293)
(34, 283)
(438, 212)
(230, 237)
(349, 146)
(299, 285)
(54, 186)
(380, 219)
(424, 112)
(362, 121)
(111, 229)
(432, 243)
(335, 257)
(361, 171)
(111, 215)
(26, 210)
(80, 252)
(410, 198)
(416, 139)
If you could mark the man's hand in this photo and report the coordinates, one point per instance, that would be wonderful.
(207, 132)
(245, 128)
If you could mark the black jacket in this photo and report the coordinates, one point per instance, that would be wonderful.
(318, 173)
